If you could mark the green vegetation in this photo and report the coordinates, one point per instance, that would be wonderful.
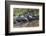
(23, 11)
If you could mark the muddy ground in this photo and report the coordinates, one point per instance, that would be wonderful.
(34, 23)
